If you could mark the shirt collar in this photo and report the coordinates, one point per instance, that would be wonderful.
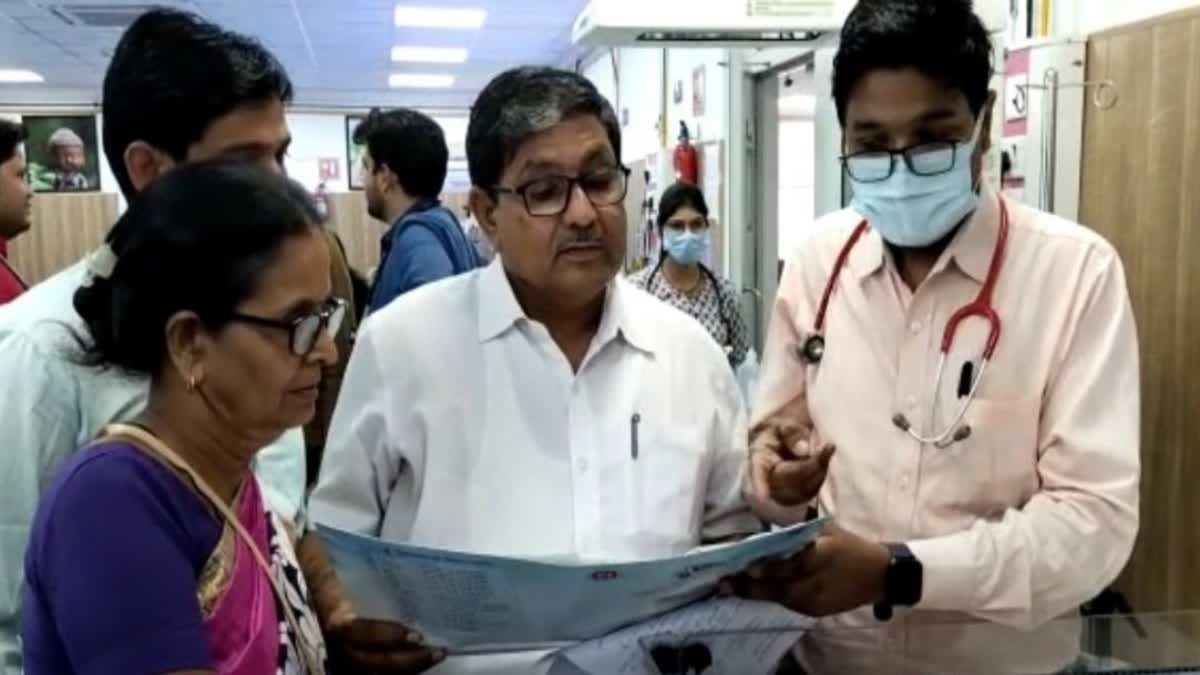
(499, 310)
(970, 250)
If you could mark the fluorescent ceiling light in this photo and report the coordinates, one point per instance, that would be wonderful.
(438, 17)
(19, 76)
(410, 80)
(429, 54)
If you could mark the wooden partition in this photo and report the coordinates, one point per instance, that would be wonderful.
(1141, 189)
(68, 226)
(65, 228)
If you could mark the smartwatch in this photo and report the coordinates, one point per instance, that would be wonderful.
(902, 581)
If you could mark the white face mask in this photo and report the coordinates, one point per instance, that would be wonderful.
(909, 209)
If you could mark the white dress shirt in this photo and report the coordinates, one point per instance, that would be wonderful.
(51, 405)
(462, 426)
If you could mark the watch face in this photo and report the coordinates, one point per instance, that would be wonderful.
(904, 577)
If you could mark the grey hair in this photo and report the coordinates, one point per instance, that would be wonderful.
(64, 137)
(523, 102)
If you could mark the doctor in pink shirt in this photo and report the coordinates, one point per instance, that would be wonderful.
(1005, 491)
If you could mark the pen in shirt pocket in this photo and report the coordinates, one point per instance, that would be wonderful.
(634, 421)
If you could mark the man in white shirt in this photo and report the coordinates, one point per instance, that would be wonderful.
(158, 111)
(542, 406)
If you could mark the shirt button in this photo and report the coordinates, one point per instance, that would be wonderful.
(583, 465)
(904, 482)
(910, 402)
(916, 327)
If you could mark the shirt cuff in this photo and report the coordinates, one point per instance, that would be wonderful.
(949, 580)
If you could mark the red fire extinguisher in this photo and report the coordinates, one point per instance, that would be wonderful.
(687, 168)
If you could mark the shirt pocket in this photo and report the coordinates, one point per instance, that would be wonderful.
(998, 462)
(668, 483)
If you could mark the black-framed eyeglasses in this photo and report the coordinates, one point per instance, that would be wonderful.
(551, 195)
(926, 159)
(304, 331)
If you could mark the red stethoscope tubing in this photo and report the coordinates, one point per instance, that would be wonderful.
(980, 307)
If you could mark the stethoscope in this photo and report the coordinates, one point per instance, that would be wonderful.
(813, 349)
(728, 346)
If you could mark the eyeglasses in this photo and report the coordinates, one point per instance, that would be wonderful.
(304, 331)
(550, 196)
(926, 159)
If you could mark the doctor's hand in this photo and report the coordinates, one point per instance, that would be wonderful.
(840, 572)
(786, 471)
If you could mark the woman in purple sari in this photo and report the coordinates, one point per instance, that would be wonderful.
(153, 551)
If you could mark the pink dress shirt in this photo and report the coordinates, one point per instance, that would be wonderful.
(1037, 511)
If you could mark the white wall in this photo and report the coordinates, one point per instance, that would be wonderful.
(323, 135)
(639, 89)
(1094, 15)
(683, 65)
(636, 92)
(317, 136)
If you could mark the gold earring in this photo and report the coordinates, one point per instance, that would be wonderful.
(191, 383)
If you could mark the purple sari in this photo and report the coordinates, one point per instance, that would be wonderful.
(167, 584)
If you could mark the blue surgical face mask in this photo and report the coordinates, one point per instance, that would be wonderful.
(913, 211)
(686, 248)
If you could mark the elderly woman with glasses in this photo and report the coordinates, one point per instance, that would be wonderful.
(153, 551)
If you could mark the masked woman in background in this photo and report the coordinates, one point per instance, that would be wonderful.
(682, 279)
(153, 551)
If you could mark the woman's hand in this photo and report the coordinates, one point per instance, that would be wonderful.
(379, 647)
(358, 645)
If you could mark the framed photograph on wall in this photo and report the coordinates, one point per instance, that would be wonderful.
(354, 152)
(62, 153)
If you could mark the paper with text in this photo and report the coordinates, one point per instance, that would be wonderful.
(470, 603)
(731, 636)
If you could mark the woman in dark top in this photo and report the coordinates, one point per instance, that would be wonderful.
(681, 278)
(153, 551)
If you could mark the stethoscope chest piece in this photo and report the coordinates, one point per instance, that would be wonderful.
(813, 349)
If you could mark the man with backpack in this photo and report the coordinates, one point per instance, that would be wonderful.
(403, 170)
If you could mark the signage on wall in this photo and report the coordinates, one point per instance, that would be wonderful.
(329, 168)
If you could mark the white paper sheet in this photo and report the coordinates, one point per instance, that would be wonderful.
(736, 636)
(479, 604)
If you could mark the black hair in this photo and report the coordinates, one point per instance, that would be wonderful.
(172, 74)
(525, 101)
(678, 196)
(197, 239)
(11, 136)
(943, 39)
(411, 144)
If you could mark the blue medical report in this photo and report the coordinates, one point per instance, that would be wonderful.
(471, 603)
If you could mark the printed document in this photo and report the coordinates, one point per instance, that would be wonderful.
(470, 603)
(726, 635)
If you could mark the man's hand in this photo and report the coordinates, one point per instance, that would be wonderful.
(786, 472)
(378, 647)
(840, 572)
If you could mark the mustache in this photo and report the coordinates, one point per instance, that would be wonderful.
(580, 243)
